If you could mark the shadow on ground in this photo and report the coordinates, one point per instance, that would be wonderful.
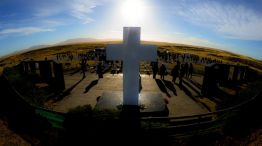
(170, 86)
(92, 84)
(185, 89)
(187, 82)
(67, 91)
(162, 87)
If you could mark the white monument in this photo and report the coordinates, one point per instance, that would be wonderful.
(131, 52)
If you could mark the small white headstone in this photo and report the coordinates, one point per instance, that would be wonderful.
(131, 52)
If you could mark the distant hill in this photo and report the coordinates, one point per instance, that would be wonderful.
(77, 41)
(37, 47)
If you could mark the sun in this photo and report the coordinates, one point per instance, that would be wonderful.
(133, 11)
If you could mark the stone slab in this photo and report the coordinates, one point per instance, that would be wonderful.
(150, 103)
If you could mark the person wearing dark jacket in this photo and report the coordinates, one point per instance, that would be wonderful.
(163, 71)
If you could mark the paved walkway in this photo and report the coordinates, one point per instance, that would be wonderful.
(180, 100)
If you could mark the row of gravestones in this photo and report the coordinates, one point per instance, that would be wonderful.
(47, 71)
(223, 74)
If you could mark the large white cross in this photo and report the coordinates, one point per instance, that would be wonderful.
(131, 52)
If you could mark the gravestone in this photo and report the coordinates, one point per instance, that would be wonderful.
(26, 67)
(235, 73)
(59, 81)
(48, 71)
(32, 67)
(222, 75)
(45, 70)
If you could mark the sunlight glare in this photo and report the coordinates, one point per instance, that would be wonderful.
(133, 11)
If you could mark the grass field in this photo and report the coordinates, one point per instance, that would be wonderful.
(50, 52)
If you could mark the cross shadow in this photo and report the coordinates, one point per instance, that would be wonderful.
(162, 87)
(92, 84)
(170, 86)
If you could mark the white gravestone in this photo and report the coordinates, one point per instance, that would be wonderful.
(131, 52)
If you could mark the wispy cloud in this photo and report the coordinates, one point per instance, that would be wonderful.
(24, 30)
(52, 23)
(48, 15)
(231, 20)
(81, 9)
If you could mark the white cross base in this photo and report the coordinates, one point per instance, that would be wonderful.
(131, 52)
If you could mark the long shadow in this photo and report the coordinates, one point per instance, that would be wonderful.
(74, 72)
(162, 87)
(67, 91)
(199, 86)
(187, 92)
(190, 86)
(92, 84)
(107, 69)
(170, 86)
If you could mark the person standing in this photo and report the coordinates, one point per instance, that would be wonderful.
(190, 71)
(155, 69)
(182, 74)
(99, 70)
(186, 67)
(175, 71)
(83, 66)
(163, 71)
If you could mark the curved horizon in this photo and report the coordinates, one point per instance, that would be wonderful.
(232, 26)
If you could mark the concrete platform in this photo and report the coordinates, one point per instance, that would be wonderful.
(180, 100)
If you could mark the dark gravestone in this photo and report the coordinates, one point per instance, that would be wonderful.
(222, 75)
(45, 70)
(214, 74)
(243, 73)
(59, 76)
(209, 80)
(32, 67)
(25, 67)
(239, 74)
(235, 73)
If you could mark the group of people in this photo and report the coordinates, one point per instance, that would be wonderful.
(65, 56)
(179, 71)
(99, 68)
(167, 56)
(182, 70)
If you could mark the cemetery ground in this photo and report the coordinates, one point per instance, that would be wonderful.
(182, 101)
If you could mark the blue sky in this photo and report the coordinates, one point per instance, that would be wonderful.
(234, 25)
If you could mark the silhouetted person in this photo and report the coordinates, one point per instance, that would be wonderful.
(162, 71)
(182, 74)
(155, 69)
(186, 69)
(83, 67)
(175, 71)
(190, 70)
(99, 70)
(140, 83)
(114, 69)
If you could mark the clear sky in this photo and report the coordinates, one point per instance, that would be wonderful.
(233, 25)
